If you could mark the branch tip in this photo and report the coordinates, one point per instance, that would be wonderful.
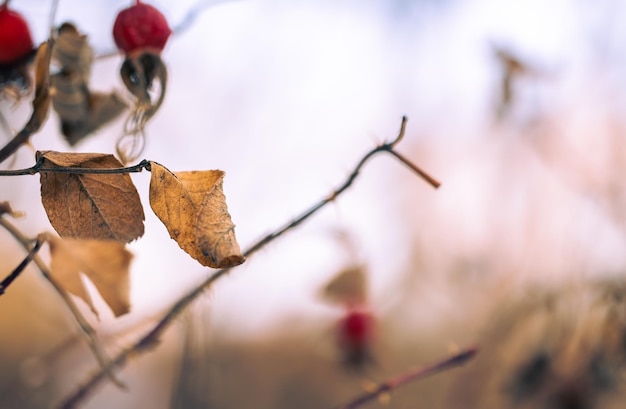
(401, 133)
(429, 179)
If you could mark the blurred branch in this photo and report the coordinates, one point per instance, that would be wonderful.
(150, 339)
(183, 25)
(87, 330)
(192, 14)
(415, 374)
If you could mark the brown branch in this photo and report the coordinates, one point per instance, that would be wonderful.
(151, 338)
(415, 374)
(433, 182)
(4, 284)
(83, 325)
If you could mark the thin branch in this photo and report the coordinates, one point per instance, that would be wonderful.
(18, 270)
(37, 168)
(193, 13)
(83, 325)
(433, 182)
(415, 374)
(53, 13)
(151, 338)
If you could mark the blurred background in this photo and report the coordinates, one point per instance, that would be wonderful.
(515, 106)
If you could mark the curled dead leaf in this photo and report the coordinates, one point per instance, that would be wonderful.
(105, 262)
(41, 102)
(90, 206)
(192, 206)
(81, 111)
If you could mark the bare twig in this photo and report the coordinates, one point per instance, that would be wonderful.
(37, 168)
(415, 374)
(151, 338)
(53, 14)
(86, 329)
(4, 284)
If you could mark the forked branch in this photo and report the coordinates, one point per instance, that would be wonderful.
(88, 332)
(4, 284)
(150, 339)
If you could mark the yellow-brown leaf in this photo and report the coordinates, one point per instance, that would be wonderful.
(193, 208)
(105, 262)
(90, 206)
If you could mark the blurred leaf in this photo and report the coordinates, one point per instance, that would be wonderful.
(105, 262)
(349, 286)
(193, 208)
(90, 206)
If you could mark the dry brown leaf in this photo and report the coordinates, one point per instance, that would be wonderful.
(193, 208)
(90, 206)
(105, 262)
(347, 287)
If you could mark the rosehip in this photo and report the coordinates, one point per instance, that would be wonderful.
(16, 42)
(140, 26)
(355, 335)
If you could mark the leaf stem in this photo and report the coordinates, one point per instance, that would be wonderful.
(150, 339)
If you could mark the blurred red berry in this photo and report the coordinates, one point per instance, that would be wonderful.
(15, 39)
(140, 26)
(356, 330)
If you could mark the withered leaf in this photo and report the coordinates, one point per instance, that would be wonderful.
(105, 262)
(90, 206)
(41, 102)
(192, 206)
(349, 286)
(81, 111)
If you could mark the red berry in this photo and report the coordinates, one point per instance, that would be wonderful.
(355, 336)
(15, 40)
(140, 26)
(355, 329)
